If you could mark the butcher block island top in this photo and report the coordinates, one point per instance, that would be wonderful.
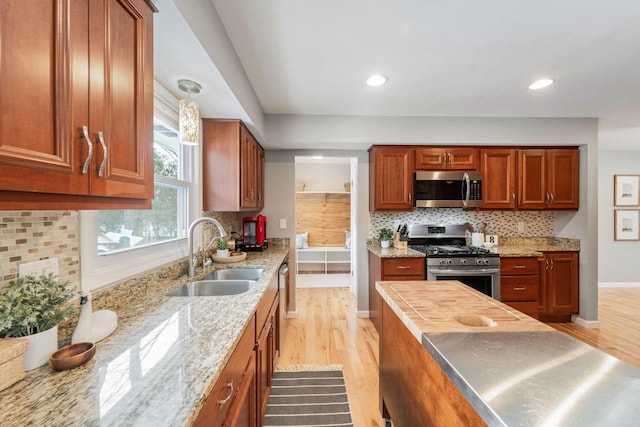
(510, 370)
(450, 306)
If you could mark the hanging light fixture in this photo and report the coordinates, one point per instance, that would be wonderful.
(189, 120)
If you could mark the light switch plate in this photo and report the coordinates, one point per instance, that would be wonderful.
(38, 268)
(283, 223)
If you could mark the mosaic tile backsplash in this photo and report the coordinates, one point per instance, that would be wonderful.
(37, 235)
(502, 223)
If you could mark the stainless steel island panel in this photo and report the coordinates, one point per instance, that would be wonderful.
(538, 379)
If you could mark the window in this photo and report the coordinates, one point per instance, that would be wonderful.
(126, 229)
(116, 245)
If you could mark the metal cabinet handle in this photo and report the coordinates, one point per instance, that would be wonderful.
(519, 266)
(552, 265)
(553, 198)
(106, 153)
(519, 289)
(410, 198)
(547, 263)
(222, 402)
(85, 134)
(513, 197)
(403, 267)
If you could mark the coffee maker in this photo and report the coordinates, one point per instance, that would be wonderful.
(254, 233)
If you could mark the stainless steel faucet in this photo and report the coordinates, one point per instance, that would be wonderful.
(192, 268)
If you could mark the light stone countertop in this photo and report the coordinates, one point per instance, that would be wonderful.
(156, 369)
(509, 247)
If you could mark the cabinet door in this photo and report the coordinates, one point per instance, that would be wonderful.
(121, 98)
(532, 176)
(563, 178)
(391, 179)
(263, 369)
(247, 169)
(431, 158)
(499, 178)
(467, 159)
(44, 102)
(561, 283)
(260, 176)
(244, 411)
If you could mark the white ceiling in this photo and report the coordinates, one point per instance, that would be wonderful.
(459, 58)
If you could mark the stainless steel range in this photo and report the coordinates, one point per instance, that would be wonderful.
(449, 258)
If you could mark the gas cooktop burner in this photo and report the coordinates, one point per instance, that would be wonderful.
(452, 250)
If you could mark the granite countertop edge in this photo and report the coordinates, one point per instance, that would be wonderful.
(165, 357)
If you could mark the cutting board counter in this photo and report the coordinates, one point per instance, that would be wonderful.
(517, 372)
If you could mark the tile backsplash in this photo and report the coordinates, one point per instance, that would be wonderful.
(36, 235)
(502, 223)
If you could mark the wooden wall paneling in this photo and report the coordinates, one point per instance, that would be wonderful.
(325, 216)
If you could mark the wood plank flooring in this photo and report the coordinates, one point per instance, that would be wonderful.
(327, 332)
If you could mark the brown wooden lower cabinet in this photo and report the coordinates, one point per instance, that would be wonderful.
(240, 395)
(390, 269)
(560, 291)
(520, 284)
(414, 391)
(234, 394)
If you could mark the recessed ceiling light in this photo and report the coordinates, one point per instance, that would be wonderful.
(540, 84)
(376, 80)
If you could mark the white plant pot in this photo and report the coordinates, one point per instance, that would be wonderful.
(384, 244)
(41, 347)
(222, 252)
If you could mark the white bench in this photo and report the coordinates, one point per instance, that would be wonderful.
(323, 255)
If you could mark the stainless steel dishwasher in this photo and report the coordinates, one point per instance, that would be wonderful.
(283, 288)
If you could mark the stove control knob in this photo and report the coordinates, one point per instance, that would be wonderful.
(485, 261)
(442, 262)
(479, 261)
(463, 261)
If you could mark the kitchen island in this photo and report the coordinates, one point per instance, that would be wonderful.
(157, 369)
(452, 356)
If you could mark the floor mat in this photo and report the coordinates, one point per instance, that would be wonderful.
(308, 398)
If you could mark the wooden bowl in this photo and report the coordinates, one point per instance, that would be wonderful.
(72, 356)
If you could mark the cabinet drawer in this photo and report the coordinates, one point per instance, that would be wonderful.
(226, 387)
(519, 288)
(513, 266)
(402, 267)
(528, 308)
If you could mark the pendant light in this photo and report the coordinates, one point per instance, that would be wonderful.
(189, 120)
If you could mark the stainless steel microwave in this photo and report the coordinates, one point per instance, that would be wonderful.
(447, 189)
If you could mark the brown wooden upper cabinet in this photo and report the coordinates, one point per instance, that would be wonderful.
(499, 187)
(233, 167)
(530, 179)
(391, 178)
(548, 178)
(449, 158)
(77, 104)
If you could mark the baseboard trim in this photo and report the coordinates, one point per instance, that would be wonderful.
(589, 324)
(364, 314)
(618, 284)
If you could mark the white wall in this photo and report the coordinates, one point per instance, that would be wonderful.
(323, 176)
(618, 261)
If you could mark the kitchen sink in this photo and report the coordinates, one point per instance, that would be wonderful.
(236, 274)
(212, 288)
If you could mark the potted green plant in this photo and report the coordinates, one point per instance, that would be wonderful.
(31, 307)
(385, 235)
(223, 248)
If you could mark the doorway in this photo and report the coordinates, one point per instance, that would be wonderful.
(325, 227)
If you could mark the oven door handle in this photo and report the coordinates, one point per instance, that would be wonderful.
(473, 272)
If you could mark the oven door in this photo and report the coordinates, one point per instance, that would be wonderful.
(485, 280)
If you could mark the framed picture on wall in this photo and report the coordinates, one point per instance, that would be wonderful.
(625, 224)
(626, 190)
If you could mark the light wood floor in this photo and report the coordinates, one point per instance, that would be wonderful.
(327, 332)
